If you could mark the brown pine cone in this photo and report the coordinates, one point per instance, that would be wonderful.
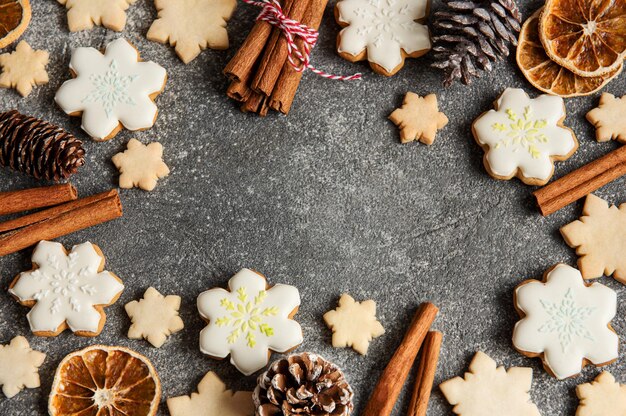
(38, 148)
(300, 385)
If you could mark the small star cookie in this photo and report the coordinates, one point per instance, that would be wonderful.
(354, 324)
(488, 390)
(155, 317)
(599, 238)
(141, 165)
(83, 14)
(212, 399)
(19, 365)
(419, 118)
(192, 25)
(608, 118)
(23, 69)
(602, 397)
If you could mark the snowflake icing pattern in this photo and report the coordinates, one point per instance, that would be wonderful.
(110, 89)
(523, 132)
(567, 319)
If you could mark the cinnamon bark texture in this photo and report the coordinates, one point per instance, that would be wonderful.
(581, 182)
(32, 198)
(391, 381)
(425, 374)
(261, 76)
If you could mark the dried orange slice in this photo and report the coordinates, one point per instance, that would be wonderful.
(105, 381)
(588, 37)
(14, 19)
(545, 74)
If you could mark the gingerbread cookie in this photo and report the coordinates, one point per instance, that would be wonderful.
(14, 19)
(384, 32)
(66, 290)
(354, 324)
(599, 238)
(566, 322)
(192, 25)
(112, 90)
(602, 397)
(19, 366)
(141, 165)
(523, 137)
(155, 317)
(23, 69)
(608, 118)
(419, 118)
(249, 320)
(84, 14)
(488, 390)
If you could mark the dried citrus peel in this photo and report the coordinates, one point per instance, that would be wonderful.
(14, 19)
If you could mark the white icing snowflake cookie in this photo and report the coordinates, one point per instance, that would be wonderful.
(249, 320)
(112, 91)
(66, 290)
(384, 32)
(566, 322)
(523, 137)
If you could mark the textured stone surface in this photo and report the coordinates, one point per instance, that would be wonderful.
(325, 199)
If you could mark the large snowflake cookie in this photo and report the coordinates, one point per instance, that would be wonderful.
(384, 32)
(66, 290)
(602, 397)
(83, 14)
(566, 322)
(112, 90)
(249, 320)
(488, 390)
(523, 137)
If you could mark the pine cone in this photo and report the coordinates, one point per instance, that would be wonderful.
(303, 384)
(38, 148)
(469, 35)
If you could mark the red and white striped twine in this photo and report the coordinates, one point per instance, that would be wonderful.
(299, 59)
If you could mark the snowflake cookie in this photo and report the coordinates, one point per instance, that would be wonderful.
(192, 25)
(384, 32)
(354, 324)
(602, 397)
(488, 390)
(566, 322)
(83, 14)
(112, 90)
(23, 69)
(141, 165)
(155, 317)
(523, 137)
(19, 365)
(599, 238)
(249, 320)
(608, 118)
(66, 290)
(419, 118)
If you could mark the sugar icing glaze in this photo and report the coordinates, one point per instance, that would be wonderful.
(112, 88)
(524, 133)
(66, 287)
(567, 321)
(248, 320)
(384, 27)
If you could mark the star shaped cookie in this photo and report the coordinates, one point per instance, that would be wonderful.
(354, 324)
(599, 238)
(19, 365)
(212, 399)
(155, 317)
(192, 25)
(141, 165)
(602, 397)
(419, 118)
(23, 69)
(608, 118)
(83, 14)
(488, 390)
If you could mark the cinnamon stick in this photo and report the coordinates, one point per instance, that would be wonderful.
(425, 374)
(32, 198)
(241, 65)
(390, 383)
(581, 182)
(86, 214)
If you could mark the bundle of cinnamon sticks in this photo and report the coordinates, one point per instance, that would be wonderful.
(262, 78)
(68, 214)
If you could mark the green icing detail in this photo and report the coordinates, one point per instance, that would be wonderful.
(567, 320)
(522, 132)
(110, 89)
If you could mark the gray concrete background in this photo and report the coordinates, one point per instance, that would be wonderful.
(325, 199)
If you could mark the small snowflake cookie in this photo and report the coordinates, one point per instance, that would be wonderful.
(384, 32)
(566, 322)
(488, 390)
(141, 165)
(23, 69)
(155, 317)
(112, 91)
(19, 366)
(602, 397)
(249, 320)
(523, 137)
(419, 118)
(66, 290)
(83, 14)
(608, 118)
